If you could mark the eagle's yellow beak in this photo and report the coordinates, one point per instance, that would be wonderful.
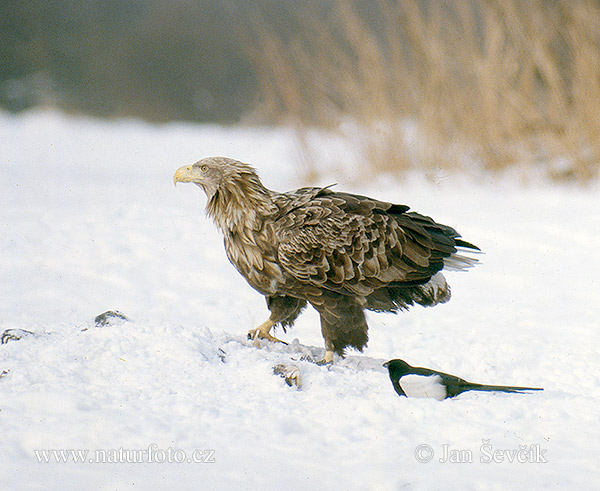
(183, 174)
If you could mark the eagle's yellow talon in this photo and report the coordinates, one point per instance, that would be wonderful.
(263, 332)
(327, 359)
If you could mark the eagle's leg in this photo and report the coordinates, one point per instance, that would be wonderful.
(343, 325)
(284, 310)
(264, 332)
(327, 359)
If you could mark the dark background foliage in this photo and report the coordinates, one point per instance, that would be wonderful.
(147, 58)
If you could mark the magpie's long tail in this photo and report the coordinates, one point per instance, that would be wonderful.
(500, 388)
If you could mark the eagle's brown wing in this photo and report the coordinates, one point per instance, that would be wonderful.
(353, 245)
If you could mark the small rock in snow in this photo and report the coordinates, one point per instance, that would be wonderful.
(110, 317)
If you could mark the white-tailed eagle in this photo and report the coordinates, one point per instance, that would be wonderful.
(340, 252)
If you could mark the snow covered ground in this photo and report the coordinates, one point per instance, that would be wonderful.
(90, 221)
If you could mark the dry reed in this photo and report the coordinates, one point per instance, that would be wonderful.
(502, 83)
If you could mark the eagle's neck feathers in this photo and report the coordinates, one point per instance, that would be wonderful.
(240, 203)
(239, 208)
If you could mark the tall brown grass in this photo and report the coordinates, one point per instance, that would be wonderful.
(502, 83)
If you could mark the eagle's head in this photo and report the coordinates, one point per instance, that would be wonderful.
(216, 173)
(236, 197)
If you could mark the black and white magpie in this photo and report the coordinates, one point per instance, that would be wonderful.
(423, 382)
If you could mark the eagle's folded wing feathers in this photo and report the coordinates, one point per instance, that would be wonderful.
(352, 245)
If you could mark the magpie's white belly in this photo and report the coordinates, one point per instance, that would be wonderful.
(421, 386)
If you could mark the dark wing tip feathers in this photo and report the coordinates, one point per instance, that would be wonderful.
(398, 209)
(464, 243)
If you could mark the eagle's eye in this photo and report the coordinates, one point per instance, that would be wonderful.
(204, 168)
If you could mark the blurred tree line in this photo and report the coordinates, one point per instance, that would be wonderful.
(155, 59)
(498, 82)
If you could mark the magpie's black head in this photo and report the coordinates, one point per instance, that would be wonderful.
(397, 368)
